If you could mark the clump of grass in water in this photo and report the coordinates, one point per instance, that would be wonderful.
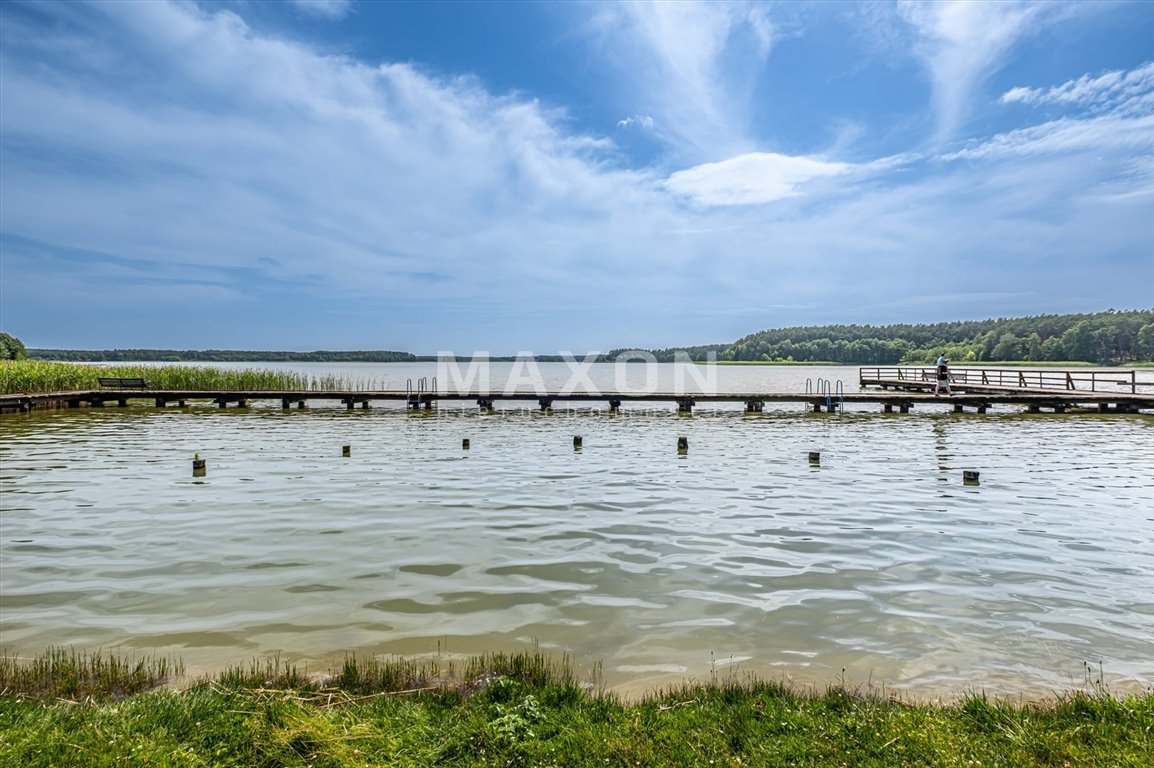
(67, 674)
(38, 376)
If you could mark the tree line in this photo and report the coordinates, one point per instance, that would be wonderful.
(1105, 338)
(219, 356)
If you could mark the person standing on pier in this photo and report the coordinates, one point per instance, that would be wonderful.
(943, 380)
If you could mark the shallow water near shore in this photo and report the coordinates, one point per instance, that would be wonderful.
(738, 555)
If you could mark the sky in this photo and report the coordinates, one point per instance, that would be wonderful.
(543, 177)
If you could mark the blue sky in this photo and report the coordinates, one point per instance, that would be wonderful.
(564, 176)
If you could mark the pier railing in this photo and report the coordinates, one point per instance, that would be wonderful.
(1006, 378)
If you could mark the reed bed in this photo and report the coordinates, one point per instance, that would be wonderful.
(28, 377)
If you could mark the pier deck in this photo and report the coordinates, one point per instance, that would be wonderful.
(908, 394)
(1009, 380)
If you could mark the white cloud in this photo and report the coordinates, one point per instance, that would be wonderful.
(961, 43)
(328, 9)
(692, 66)
(1130, 91)
(757, 177)
(642, 121)
(1116, 118)
(1109, 133)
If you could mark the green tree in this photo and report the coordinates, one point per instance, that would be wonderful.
(1034, 347)
(1009, 347)
(11, 348)
(1078, 341)
(1145, 343)
(1052, 349)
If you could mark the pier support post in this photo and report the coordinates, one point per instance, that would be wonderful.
(682, 445)
(983, 407)
(96, 403)
(685, 405)
(364, 405)
(180, 404)
(754, 406)
(486, 403)
(817, 407)
(122, 403)
(958, 408)
(615, 406)
(887, 407)
(904, 408)
(546, 404)
(1032, 408)
(300, 405)
(285, 403)
(161, 402)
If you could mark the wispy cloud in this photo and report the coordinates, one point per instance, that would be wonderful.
(691, 65)
(328, 9)
(1111, 113)
(1104, 134)
(1130, 91)
(962, 43)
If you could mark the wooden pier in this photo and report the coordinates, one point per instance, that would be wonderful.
(1009, 380)
(898, 394)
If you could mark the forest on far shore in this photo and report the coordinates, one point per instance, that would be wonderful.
(1113, 337)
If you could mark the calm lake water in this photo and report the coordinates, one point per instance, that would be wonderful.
(738, 555)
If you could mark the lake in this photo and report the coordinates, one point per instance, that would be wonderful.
(737, 556)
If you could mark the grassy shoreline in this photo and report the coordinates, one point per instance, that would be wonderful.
(524, 709)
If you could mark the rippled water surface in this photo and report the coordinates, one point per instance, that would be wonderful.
(879, 560)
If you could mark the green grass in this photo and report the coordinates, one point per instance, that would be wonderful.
(64, 673)
(36, 376)
(528, 709)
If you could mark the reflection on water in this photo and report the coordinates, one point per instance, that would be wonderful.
(879, 560)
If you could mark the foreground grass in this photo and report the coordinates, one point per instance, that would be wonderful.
(528, 710)
(38, 376)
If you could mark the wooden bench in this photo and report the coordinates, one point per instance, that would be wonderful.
(121, 383)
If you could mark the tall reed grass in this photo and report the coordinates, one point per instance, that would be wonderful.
(39, 376)
(65, 673)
